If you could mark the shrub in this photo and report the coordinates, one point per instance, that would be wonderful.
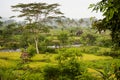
(104, 41)
(72, 69)
(69, 53)
(69, 71)
(68, 67)
(51, 72)
(27, 53)
(31, 51)
(63, 37)
(88, 39)
(69, 64)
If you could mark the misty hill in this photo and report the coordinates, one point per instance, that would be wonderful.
(59, 22)
(67, 22)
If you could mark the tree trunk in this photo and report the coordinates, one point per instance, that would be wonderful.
(36, 46)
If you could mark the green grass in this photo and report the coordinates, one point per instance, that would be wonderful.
(91, 57)
(9, 59)
(7, 63)
(10, 55)
(39, 61)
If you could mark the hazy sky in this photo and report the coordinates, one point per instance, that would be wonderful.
(70, 8)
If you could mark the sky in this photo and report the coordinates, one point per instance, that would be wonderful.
(71, 8)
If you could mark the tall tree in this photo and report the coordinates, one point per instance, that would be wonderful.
(111, 21)
(37, 15)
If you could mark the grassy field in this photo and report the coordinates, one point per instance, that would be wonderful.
(92, 61)
(9, 59)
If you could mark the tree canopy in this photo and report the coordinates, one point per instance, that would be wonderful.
(37, 14)
(111, 21)
(37, 11)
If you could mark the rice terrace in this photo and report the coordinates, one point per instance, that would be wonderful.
(60, 40)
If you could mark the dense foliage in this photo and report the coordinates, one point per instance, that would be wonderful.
(69, 49)
(111, 21)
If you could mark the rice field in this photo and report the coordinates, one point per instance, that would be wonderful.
(10, 59)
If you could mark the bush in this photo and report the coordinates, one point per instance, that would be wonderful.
(68, 67)
(63, 37)
(69, 71)
(72, 69)
(69, 53)
(88, 39)
(51, 72)
(104, 41)
(31, 51)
